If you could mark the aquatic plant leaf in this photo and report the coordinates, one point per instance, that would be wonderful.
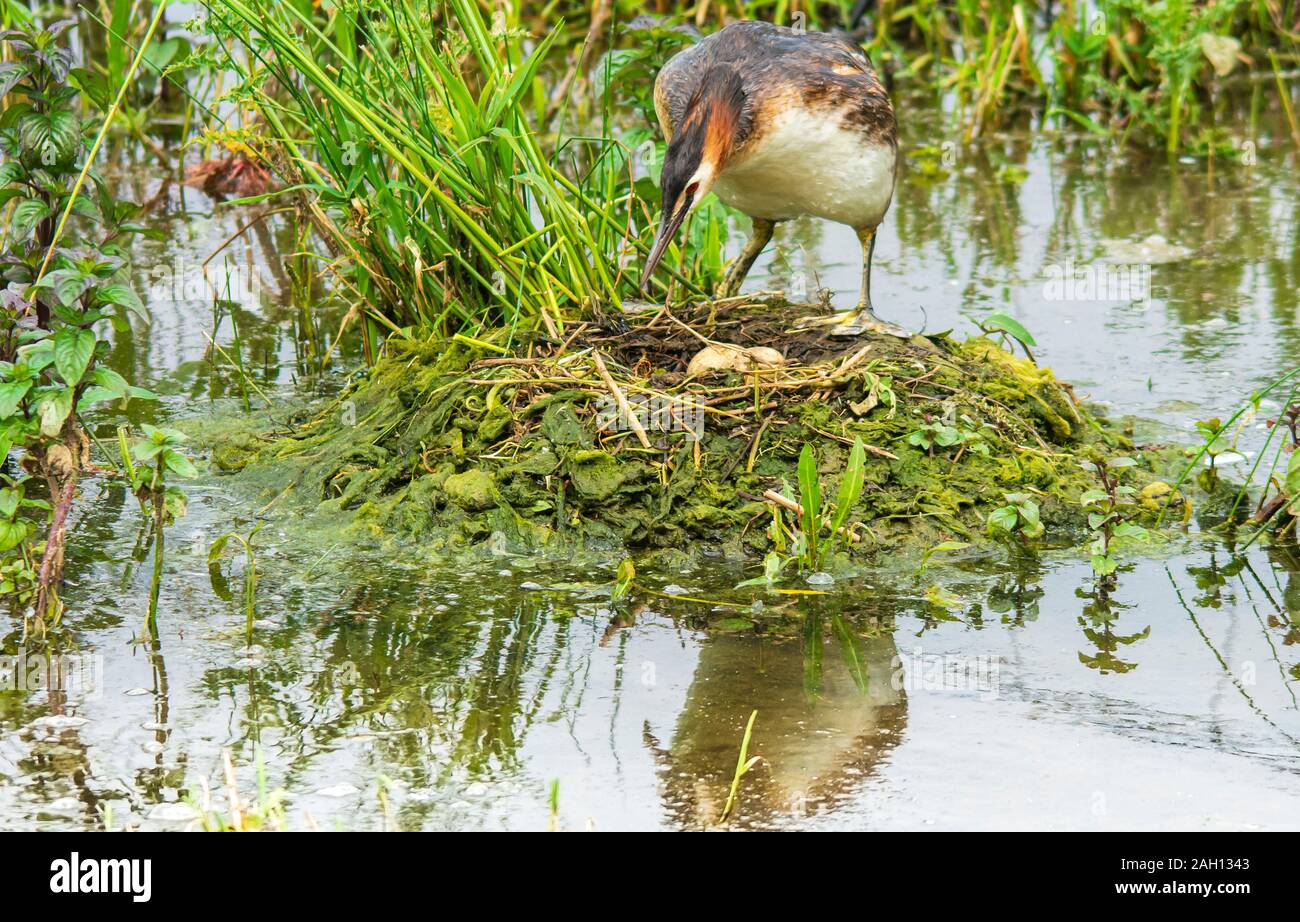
(940, 548)
(942, 598)
(146, 449)
(773, 564)
(1093, 496)
(809, 496)
(850, 486)
(27, 213)
(124, 296)
(1292, 482)
(12, 534)
(1130, 530)
(178, 464)
(1104, 564)
(623, 579)
(73, 349)
(1003, 520)
(11, 394)
(999, 322)
(1028, 510)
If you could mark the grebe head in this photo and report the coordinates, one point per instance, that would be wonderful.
(696, 154)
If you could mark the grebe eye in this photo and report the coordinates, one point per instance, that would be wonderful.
(693, 188)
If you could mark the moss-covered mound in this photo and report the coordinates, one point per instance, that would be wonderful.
(456, 444)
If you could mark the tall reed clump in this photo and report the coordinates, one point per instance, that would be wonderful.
(400, 126)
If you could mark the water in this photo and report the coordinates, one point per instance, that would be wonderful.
(463, 691)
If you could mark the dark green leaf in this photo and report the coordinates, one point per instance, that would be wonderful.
(73, 350)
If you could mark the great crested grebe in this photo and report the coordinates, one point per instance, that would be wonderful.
(778, 123)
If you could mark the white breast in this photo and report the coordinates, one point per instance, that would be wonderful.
(806, 163)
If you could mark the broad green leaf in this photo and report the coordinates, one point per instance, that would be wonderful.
(1292, 482)
(180, 465)
(10, 73)
(850, 485)
(1103, 565)
(123, 296)
(809, 493)
(1003, 519)
(111, 381)
(37, 355)
(52, 136)
(948, 436)
(12, 534)
(27, 214)
(73, 350)
(945, 546)
(998, 322)
(11, 394)
(942, 598)
(1130, 530)
(93, 395)
(145, 449)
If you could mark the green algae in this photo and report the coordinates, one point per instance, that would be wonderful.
(430, 446)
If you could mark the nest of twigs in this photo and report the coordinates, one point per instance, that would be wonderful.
(565, 440)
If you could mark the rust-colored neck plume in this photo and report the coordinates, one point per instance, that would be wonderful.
(715, 119)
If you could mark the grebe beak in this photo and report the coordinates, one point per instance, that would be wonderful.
(667, 231)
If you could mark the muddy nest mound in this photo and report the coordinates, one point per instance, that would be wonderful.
(665, 432)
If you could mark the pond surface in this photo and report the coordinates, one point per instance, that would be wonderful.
(463, 691)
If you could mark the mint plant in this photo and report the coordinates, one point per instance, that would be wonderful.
(63, 267)
(1111, 511)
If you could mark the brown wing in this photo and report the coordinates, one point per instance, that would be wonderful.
(773, 61)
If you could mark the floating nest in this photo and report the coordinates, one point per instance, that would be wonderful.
(604, 436)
